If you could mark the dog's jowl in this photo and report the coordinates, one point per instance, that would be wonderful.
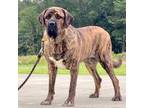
(66, 46)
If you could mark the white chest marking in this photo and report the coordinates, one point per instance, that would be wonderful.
(58, 63)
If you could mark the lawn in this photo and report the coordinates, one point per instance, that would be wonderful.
(25, 64)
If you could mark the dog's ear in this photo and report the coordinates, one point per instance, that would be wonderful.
(41, 17)
(68, 18)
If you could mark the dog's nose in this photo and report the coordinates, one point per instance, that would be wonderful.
(52, 23)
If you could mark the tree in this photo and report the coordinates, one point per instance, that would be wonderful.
(108, 14)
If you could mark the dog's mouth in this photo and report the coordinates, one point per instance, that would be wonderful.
(52, 30)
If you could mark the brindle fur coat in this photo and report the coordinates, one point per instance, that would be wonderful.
(91, 44)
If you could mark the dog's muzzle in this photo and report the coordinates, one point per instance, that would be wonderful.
(52, 29)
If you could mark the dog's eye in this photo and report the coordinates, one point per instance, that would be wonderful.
(58, 16)
(48, 16)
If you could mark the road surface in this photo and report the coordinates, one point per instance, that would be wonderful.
(36, 89)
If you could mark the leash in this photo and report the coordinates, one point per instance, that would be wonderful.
(37, 61)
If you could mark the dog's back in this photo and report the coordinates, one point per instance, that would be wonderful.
(92, 40)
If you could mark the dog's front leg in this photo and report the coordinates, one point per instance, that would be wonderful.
(52, 76)
(73, 82)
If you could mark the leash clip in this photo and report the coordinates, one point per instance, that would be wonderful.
(41, 52)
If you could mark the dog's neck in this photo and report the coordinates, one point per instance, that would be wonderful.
(67, 36)
(60, 38)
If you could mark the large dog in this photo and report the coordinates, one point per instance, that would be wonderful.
(66, 46)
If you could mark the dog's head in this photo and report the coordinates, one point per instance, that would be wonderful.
(55, 20)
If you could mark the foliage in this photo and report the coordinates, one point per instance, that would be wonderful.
(109, 14)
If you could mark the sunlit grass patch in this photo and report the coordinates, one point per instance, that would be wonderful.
(26, 62)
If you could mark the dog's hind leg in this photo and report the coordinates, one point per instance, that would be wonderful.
(97, 80)
(106, 62)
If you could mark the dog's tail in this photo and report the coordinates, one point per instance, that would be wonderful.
(118, 63)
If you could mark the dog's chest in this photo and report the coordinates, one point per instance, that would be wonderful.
(57, 53)
(58, 63)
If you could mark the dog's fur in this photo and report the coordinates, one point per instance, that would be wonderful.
(70, 46)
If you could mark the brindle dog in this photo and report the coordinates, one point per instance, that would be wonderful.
(66, 46)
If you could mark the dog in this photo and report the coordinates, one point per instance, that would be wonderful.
(66, 46)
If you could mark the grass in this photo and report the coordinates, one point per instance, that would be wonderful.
(26, 62)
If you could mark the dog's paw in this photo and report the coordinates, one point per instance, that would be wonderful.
(117, 98)
(94, 95)
(46, 102)
(69, 103)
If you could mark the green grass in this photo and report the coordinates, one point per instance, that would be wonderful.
(26, 62)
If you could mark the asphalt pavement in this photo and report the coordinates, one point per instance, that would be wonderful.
(35, 91)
